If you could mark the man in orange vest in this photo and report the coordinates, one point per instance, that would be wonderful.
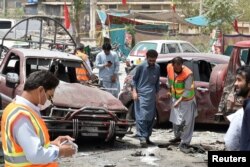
(25, 137)
(83, 74)
(183, 112)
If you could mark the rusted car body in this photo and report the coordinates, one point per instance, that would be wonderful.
(208, 70)
(77, 109)
(240, 49)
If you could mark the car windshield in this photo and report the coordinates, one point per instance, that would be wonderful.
(186, 47)
(63, 69)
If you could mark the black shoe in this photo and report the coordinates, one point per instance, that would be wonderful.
(149, 142)
(143, 143)
(175, 140)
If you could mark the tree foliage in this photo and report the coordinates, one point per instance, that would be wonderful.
(220, 13)
(243, 9)
(188, 9)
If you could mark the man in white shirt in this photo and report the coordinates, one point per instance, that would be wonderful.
(232, 137)
(25, 137)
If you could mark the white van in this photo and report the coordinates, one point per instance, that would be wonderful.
(138, 53)
(5, 26)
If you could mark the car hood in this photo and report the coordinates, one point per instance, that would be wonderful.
(75, 95)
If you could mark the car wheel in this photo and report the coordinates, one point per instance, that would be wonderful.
(216, 83)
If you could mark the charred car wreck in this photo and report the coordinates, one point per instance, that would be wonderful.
(76, 109)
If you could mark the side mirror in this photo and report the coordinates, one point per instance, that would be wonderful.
(12, 79)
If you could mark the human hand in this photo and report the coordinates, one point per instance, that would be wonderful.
(58, 141)
(168, 94)
(134, 95)
(108, 64)
(113, 78)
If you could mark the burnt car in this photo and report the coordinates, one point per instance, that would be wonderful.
(77, 109)
(208, 69)
(240, 55)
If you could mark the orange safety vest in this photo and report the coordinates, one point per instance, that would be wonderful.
(177, 84)
(82, 73)
(13, 153)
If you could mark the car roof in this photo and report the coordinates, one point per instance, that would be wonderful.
(194, 56)
(242, 44)
(45, 53)
(165, 41)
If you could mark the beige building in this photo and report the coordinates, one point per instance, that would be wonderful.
(154, 6)
(147, 7)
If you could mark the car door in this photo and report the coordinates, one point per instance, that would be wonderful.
(163, 104)
(13, 65)
(202, 70)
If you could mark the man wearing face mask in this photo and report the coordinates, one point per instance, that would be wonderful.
(146, 85)
(108, 64)
(25, 137)
(183, 112)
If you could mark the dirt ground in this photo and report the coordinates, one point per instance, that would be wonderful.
(127, 152)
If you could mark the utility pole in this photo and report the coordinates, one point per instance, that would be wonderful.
(5, 7)
(93, 4)
(200, 12)
(201, 7)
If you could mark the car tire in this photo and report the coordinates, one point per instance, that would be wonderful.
(216, 83)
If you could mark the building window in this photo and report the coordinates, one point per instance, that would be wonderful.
(112, 6)
(145, 6)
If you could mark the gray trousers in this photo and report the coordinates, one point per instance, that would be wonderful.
(184, 132)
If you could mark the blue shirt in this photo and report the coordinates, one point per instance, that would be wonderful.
(26, 137)
(146, 78)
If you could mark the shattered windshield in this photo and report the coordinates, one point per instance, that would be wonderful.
(63, 69)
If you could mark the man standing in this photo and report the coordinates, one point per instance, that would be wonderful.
(25, 137)
(108, 64)
(242, 88)
(145, 85)
(83, 73)
(183, 110)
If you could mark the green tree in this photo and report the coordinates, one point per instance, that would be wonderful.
(188, 9)
(243, 9)
(220, 13)
(77, 7)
